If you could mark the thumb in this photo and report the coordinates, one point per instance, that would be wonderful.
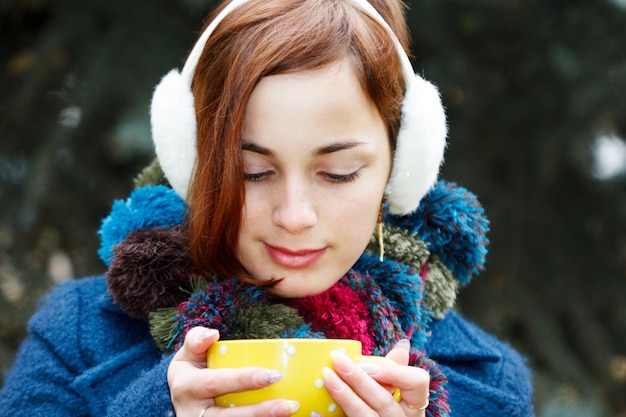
(197, 342)
(401, 352)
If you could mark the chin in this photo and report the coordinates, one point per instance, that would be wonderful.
(291, 290)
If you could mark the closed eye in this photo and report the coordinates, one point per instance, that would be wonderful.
(341, 178)
(257, 176)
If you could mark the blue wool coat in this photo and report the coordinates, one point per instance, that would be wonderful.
(85, 357)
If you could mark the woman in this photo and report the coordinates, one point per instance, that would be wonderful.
(294, 131)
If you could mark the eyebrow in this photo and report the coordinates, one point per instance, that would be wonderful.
(334, 147)
(324, 150)
(247, 146)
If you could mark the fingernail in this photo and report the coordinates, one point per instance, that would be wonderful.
(404, 344)
(285, 408)
(370, 368)
(341, 362)
(331, 380)
(207, 333)
(264, 378)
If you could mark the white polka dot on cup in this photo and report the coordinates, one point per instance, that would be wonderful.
(290, 350)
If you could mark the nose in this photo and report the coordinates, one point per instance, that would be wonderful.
(294, 210)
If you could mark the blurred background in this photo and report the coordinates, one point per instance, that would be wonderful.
(536, 98)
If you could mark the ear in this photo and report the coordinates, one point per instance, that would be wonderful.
(173, 120)
(420, 147)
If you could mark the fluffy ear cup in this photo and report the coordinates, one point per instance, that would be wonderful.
(173, 119)
(173, 115)
(420, 147)
(421, 140)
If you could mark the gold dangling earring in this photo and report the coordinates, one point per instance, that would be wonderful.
(379, 227)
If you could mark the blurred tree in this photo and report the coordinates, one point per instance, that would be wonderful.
(530, 86)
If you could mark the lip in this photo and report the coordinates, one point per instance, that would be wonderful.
(294, 259)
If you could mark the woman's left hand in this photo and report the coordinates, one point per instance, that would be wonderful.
(365, 389)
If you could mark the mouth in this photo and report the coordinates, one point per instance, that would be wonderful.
(294, 259)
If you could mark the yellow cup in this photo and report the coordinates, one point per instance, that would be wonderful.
(299, 360)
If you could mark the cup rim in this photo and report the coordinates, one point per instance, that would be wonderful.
(289, 340)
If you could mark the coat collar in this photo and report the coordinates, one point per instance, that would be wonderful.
(453, 339)
(105, 302)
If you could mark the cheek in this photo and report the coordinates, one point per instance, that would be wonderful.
(254, 208)
(249, 218)
(358, 216)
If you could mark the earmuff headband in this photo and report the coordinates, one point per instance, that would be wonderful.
(419, 147)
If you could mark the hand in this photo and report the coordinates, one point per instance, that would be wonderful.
(365, 389)
(193, 386)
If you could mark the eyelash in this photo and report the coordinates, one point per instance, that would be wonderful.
(255, 177)
(334, 178)
(342, 179)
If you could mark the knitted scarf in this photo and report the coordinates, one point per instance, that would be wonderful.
(428, 255)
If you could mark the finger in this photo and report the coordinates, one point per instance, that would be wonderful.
(401, 352)
(355, 392)
(210, 383)
(406, 378)
(413, 382)
(197, 342)
(340, 391)
(417, 396)
(414, 410)
(273, 408)
(401, 375)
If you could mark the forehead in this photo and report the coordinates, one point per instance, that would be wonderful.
(333, 90)
(308, 110)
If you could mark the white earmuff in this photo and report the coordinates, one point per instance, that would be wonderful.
(420, 144)
(173, 115)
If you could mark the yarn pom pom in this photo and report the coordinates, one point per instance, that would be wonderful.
(266, 321)
(453, 222)
(146, 207)
(340, 313)
(150, 270)
(151, 175)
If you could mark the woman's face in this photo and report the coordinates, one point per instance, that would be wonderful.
(317, 159)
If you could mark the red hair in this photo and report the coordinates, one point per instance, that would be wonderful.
(258, 39)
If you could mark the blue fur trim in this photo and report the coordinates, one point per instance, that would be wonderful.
(148, 206)
(453, 222)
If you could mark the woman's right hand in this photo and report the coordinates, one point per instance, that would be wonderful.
(193, 386)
